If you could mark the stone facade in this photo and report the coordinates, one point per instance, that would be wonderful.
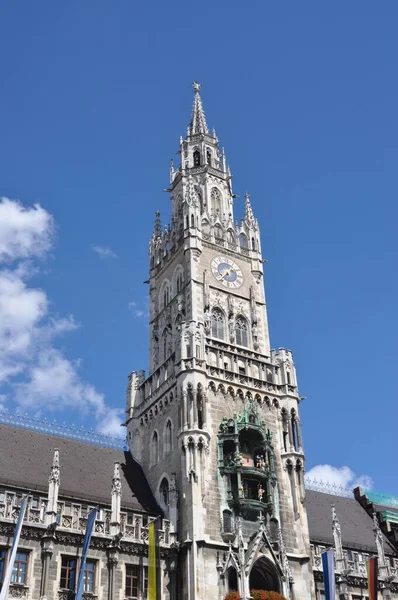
(210, 360)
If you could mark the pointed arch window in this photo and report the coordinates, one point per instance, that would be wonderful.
(243, 241)
(208, 158)
(179, 282)
(164, 492)
(168, 438)
(155, 448)
(217, 324)
(215, 197)
(166, 295)
(196, 158)
(241, 331)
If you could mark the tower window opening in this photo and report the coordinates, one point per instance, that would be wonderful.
(285, 440)
(243, 240)
(200, 412)
(179, 283)
(295, 431)
(196, 158)
(215, 197)
(166, 296)
(227, 521)
(208, 157)
(217, 324)
(288, 377)
(253, 244)
(164, 491)
(168, 438)
(241, 367)
(155, 448)
(192, 221)
(241, 331)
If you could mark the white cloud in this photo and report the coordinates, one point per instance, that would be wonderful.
(137, 312)
(38, 375)
(111, 424)
(104, 252)
(339, 476)
(24, 232)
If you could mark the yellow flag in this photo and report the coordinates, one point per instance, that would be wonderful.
(153, 557)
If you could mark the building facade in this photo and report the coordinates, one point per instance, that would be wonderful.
(214, 443)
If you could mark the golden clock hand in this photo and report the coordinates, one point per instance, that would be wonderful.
(225, 274)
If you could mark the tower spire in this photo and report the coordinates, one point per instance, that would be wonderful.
(249, 216)
(198, 120)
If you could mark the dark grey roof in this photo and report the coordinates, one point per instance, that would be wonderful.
(86, 470)
(356, 525)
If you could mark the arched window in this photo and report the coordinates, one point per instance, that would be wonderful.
(231, 236)
(164, 345)
(192, 221)
(164, 492)
(215, 197)
(253, 244)
(155, 448)
(208, 157)
(168, 438)
(243, 240)
(166, 295)
(217, 324)
(241, 331)
(179, 282)
(227, 521)
(295, 430)
(196, 158)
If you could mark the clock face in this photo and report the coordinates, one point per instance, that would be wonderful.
(226, 272)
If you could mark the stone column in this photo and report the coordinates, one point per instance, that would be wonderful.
(113, 559)
(46, 554)
(300, 439)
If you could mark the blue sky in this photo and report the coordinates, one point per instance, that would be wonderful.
(304, 96)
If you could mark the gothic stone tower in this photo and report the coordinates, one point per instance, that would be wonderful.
(215, 424)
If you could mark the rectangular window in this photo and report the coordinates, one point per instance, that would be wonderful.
(132, 581)
(3, 555)
(89, 576)
(68, 573)
(19, 571)
(145, 582)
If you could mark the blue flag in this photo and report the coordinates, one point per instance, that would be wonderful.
(86, 545)
(14, 548)
(328, 574)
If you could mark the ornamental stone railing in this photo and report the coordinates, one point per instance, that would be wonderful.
(18, 591)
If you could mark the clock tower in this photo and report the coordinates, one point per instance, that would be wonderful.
(215, 423)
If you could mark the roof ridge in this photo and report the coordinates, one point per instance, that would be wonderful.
(61, 430)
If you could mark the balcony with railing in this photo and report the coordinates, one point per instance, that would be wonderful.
(72, 516)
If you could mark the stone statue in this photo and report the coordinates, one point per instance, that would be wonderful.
(260, 492)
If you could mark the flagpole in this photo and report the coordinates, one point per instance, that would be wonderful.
(86, 544)
(14, 548)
